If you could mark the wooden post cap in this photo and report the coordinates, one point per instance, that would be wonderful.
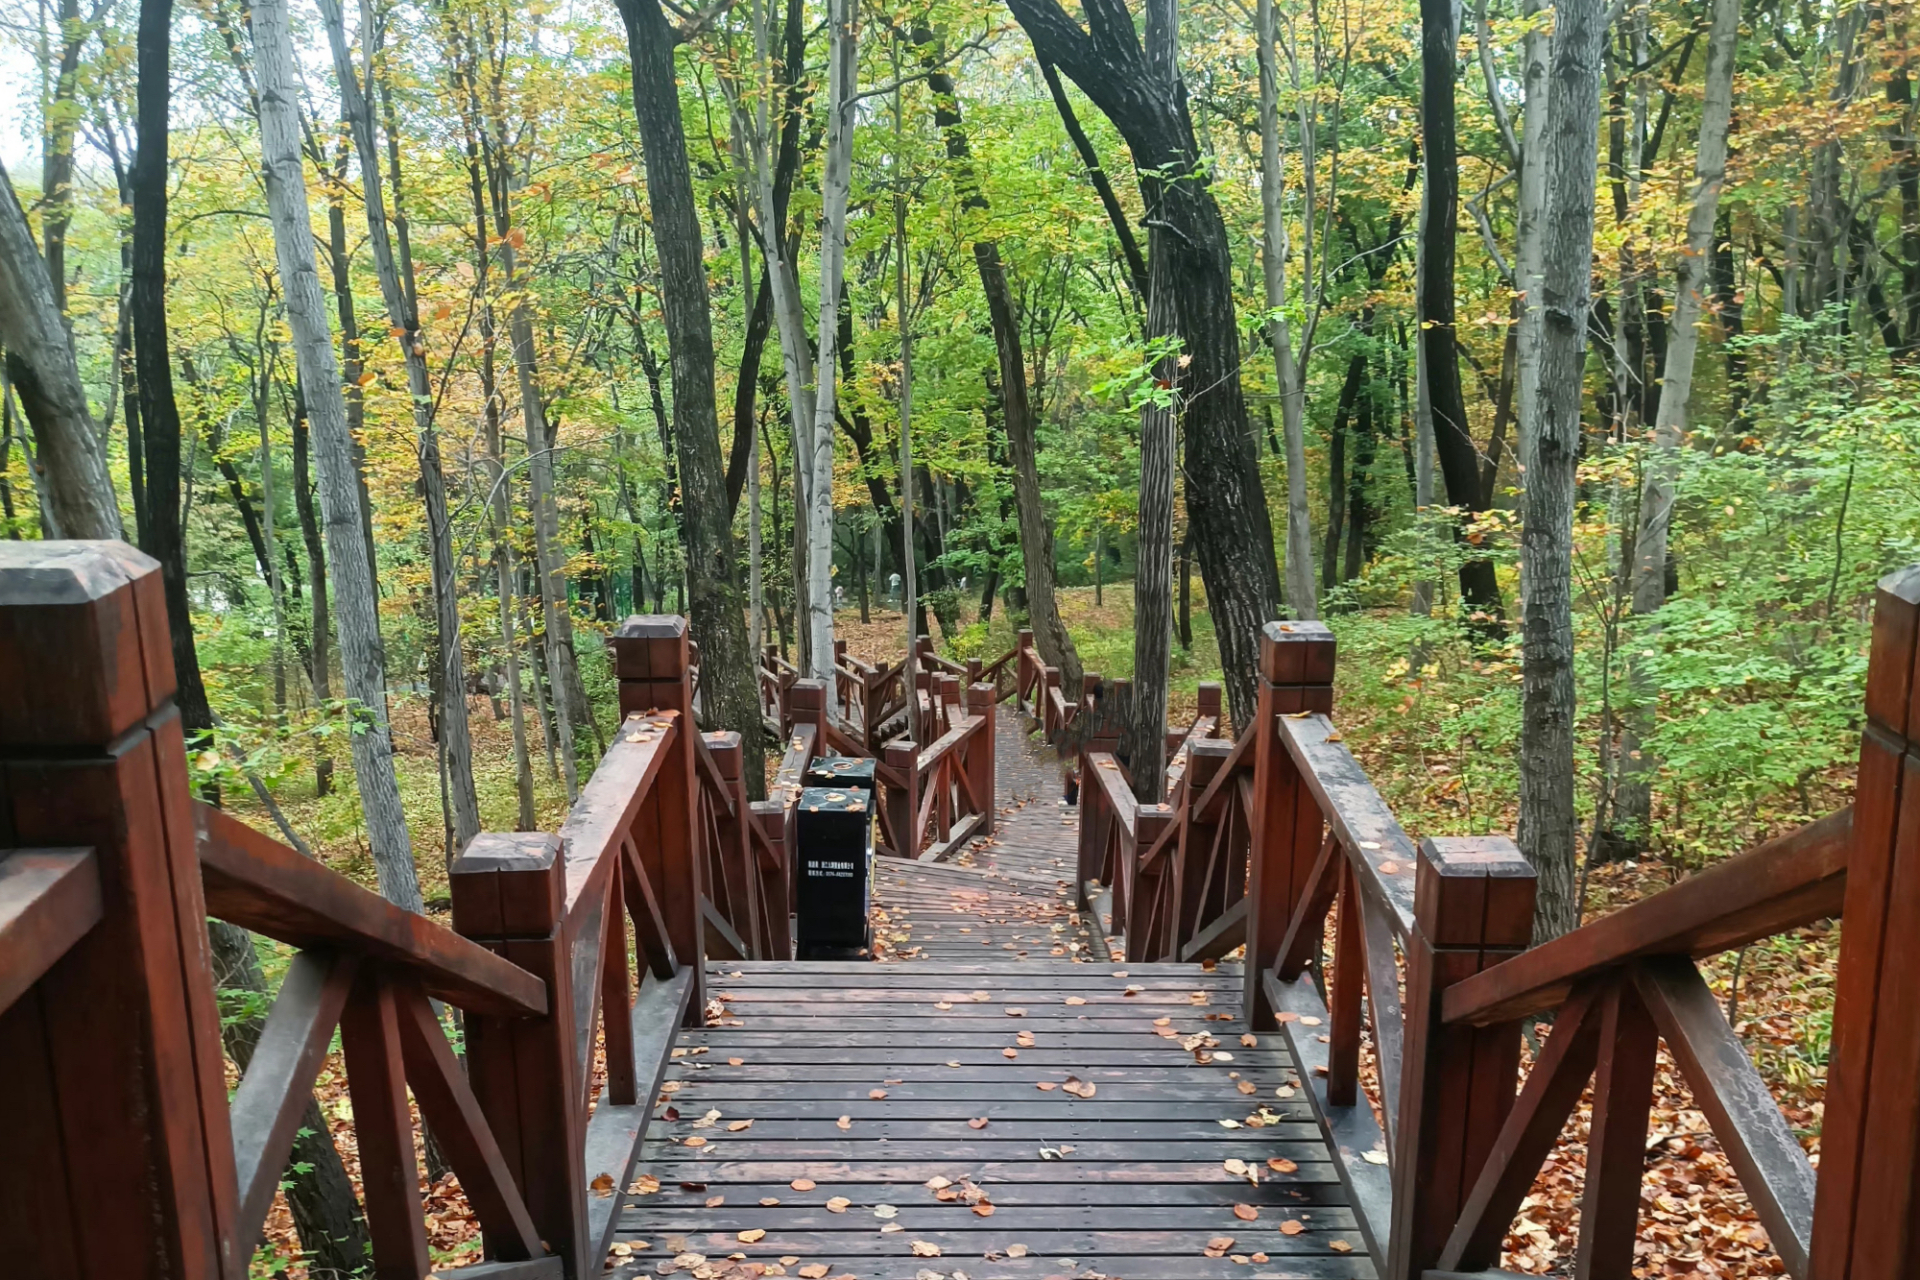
(1208, 698)
(900, 754)
(508, 885)
(724, 746)
(1474, 891)
(651, 647)
(1296, 653)
(1204, 758)
(979, 696)
(807, 695)
(1893, 669)
(84, 648)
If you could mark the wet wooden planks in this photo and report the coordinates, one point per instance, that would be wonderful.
(1130, 1182)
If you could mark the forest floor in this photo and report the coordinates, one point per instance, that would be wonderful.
(1695, 1219)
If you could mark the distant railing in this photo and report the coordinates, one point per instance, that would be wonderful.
(1038, 690)
(109, 1036)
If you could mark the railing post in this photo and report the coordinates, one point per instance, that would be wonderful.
(1147, 938)
(1209, 703)
(980, 763)
(110, 1064)
(903, 802)
(948, 687)
(1023, 666)
(1473, 907)
(807, 704)
(650, 660)
(1296, 674)
(1190, 860)
(1049, 682)
(776, 881)
(1869, 1187)
(509, 895)
(734, 858)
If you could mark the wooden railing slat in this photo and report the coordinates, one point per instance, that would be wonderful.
(273, 1094)
(1773, 1170)
(260, 884)
(49, 899)
(613, 1133)
(383, 1128)
(1383, 854)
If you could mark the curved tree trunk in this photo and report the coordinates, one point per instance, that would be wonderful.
(40, 364)
(728, 683)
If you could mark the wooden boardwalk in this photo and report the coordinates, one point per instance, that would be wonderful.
(993, 1102)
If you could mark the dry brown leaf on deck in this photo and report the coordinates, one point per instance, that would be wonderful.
(876, 1094)
(943, 1004)
(925, 1249)
(802, 1184)
(739, 1126)
(1339, 1246)
(844, 1122)
(978, 1122)
(1249, 1040)
(839, 1204)
(644, 1185)
(814, 1271)
(1233, 1166)
(714, 1202)
(1246, 1086)
(602, 1185)
(1291, 1227)
(767, 1202)
(938, 1183)
(1280, 1164)
(696, 1142)
(984, 1209)
(1045, 1086)
(736, 1062)
(1076, 1000)
(1218, 1246)
(752, 1235)
(1016, 1251)
(1009, 1053)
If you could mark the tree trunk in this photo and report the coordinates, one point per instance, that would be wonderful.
(729, 687)
(320, 665)
(1552, 425)
(1102, 185)
(1050, 634)
(152, 360)
(1141, 92)
(1301, 597)
(355, 599)
(40, 364)
(1633, 805)
(1452, 437)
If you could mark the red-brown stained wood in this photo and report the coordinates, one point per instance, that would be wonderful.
(1877, 926)
(1617, 1138)
(49, 898)
(616, 1000)
(1296, 674)
(1473, 908)
(383, 1129)
(93, 758)
(1349, 984)
(980, 765)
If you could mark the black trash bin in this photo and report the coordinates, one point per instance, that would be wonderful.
(834, 863)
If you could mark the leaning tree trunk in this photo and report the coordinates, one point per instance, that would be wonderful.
(41, 367)
(728, 683)
(321, 675)
(1140, 91)
(1301, 597)
(1016, 404)
(403, 316)
(153, 362)
(355, 601)
(1452, 435)
(1146, 725)
(1633, 803)
(1551, 428)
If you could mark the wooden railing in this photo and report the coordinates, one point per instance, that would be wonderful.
(110, 1042)
(1038, 690)
(936, 797)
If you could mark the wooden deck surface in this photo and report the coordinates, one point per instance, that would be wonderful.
(993, 1102)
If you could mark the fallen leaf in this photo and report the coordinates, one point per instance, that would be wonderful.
(1234, 1166)
(1076, 1000)
(1245, 1212)
(984, 1209)
(1249, 1040)
(980, 997)
(1024, 1039)
(885, 1211)
(644, 1185)
(1288, 1016)
(752, 1235)
(938, 1183)
(1218, 1246)
(739, 1126)
(1291, 1227)
(736, 1062)
(714, 1202)
(602, 1185)
(1016, 1011)
(1309, 1021)
(885, 1227)
(943, 1004)
(802, 1184)
(696, 1142)
(1229, 1124)
(839, 1204)
(1259, 1257)
(1374, 1157)
(788, 1260)
(767, 1202)
(1389, 868)
(925, 1249)
(1163, 1022)
(876, 1094)
(1045, 1086)
(1009, 1053)
(1246, 1086)
(844, 1123)
(1016, 1251)
(814, 1271)
(1280, 1164)
(954, 1062)
(1339, 1246)
(978, 1122)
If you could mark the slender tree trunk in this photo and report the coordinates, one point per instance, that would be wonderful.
(1102, 185)
(153, 361)
(1301, 597)
(1633, 805)
(1547, 833)
(41, 367)
(355, 599)
(321, 663)
(1452, 436)
(729, 687)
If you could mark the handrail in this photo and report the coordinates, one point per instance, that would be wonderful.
(1783, 884)
(1381, 852)
(256, 882)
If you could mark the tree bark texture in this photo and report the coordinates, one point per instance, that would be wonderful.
(41, 367)
(729, 687)
(1226, 504)
(1452, 437)
(1547, 708)
(356, 598)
